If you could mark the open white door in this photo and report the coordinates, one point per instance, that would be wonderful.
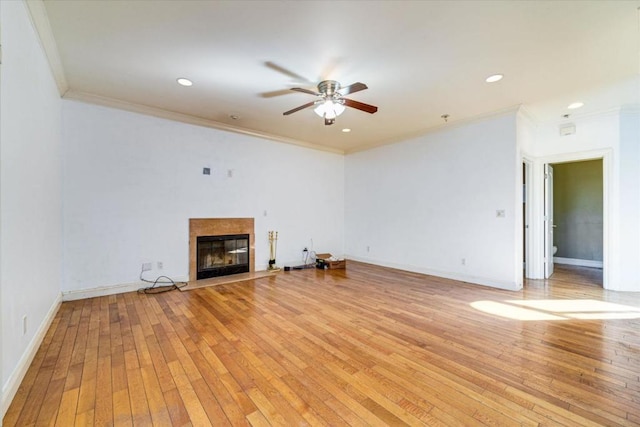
(548, 221)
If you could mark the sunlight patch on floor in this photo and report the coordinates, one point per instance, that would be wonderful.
(512, 311)
(588, 309)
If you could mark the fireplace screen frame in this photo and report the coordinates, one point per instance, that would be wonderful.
(227, 261)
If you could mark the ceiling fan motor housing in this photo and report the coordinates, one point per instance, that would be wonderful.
(328, 87)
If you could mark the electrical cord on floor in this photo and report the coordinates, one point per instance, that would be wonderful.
(167, 285)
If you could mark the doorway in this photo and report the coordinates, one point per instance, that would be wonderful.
(574, 220)
(534, 211)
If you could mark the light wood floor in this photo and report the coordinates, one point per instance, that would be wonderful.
(363, 346)
(577, 275)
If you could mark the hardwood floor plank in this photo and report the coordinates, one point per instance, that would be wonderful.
(85, 419)
(363, 346)
(193, 406)
(256, 419)
(177, 409)
(232, 410)
(210, 403)
(157, 406)
(138, 397)
(51, 405)
(266, 407)
(121, 408)
(104, 394)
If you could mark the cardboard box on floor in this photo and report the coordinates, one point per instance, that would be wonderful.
(323, 261)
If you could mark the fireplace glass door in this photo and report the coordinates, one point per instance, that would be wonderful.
(222, 255)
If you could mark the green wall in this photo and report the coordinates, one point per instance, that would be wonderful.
(577, 209)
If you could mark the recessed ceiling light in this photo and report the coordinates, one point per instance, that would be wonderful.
(184, 82)
(234, 116)
(575, 105)
(346, 130)
(494, 78)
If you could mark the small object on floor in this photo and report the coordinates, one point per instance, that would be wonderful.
(298, 267)
(329, 262)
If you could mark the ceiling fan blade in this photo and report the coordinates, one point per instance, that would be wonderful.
(275, 93)
(303, 90)
(287, 72)
(360, 106)
(302, 107)
(356, 87)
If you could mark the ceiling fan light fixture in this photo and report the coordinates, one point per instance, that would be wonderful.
(329, 109)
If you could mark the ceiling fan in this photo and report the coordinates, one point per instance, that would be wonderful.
(331, 102)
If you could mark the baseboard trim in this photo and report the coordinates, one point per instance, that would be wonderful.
(15, 379)
(475, 280)
(102, 291)
(578, 262)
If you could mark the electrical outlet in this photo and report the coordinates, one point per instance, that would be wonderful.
(160, 265)
(368, 248)
(146, 266)
(463, 261)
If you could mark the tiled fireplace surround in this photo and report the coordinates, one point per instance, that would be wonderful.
(218, 227)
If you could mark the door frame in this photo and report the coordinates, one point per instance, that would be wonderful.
(535, 200)
(548, 220)
(529, 229)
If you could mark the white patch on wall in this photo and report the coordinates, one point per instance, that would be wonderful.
(567, 129)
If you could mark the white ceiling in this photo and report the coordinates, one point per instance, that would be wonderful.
(420, 59)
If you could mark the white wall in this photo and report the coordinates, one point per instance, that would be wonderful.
(30, 195)
(131, 183)
(626, 263)
(424, 204)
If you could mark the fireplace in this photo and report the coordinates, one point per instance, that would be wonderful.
(216, 256)
(222, 255)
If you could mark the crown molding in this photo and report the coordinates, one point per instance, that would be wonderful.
(528, 115)
(40, 21)
(608, 112)
(630, 109)
(185, 118)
